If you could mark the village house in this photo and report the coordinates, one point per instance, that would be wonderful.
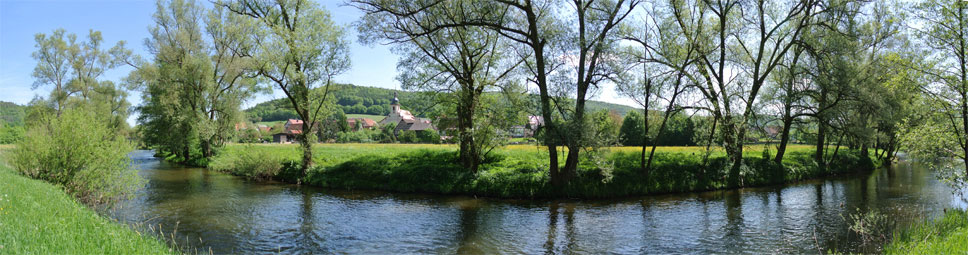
(364, 123)
(418, 124)
(289, 132)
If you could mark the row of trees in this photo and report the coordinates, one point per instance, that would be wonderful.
(844, 71)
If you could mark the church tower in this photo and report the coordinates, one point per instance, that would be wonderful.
(395, 104)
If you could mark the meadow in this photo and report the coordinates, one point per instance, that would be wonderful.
(40, 218)
(520, 171)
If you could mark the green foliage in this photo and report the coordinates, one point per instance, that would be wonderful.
(632, 132)
(12, 114)
(680, 131)
(946, 235)
(251, 164)
(362, 136)
(407, 136)
(11, 122)
(193, 87)
(871, 226)
(79, 152)
(428, 136)
(39, 218)
(521, 171)
(10, 133)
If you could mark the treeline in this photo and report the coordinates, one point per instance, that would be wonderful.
(352, 99)
(11, 122)
(838, 73)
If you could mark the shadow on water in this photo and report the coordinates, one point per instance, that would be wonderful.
(231, 215)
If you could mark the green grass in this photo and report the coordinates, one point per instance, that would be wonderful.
(39, 218)
(947, 235)
(520, 171)
(372, 117)
(269, 123)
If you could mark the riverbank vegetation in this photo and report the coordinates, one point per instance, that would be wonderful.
(517, 171)
(946, 235)
(839, 75)
(40, 218)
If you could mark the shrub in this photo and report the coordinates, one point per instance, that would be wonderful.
(79, 152)
(248, 163)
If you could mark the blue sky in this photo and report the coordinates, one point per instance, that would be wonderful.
(120, 20)
(129, 21)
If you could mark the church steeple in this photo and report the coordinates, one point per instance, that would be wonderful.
(395, 103)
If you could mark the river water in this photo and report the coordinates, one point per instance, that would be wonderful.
(207, 210)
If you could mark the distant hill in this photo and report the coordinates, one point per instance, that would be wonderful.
(11, 122)
(12, 114)
(374, 101)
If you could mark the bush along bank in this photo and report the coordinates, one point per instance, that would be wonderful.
(518, 174)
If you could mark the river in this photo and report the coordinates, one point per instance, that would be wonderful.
(208, 210)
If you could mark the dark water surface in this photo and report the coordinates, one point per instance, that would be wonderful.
(230, 215)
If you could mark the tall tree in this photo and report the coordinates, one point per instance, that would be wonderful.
(195, 85)
(298, 48)
(945, 32)
(664, 57)
(585, 40)
(74, 67)
(464, 61)
(744, 44)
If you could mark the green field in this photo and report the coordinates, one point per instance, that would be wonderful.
(39, 218)
(520, 170)
(376, 118)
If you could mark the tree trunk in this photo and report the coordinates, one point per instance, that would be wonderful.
(469, 155)
(187, 154)
(306, 144)
(307, 159)
(733, 150)
(645, 141)
(784, 138)
(206, 148)
(821, 141)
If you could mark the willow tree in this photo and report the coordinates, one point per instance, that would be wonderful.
(297, 48)
(463, 61)
(945, 32)
(74, 68)
(196, 82)
(568, 53)
(742, 45)
(663, 56)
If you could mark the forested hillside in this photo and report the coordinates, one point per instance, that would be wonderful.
(354, 99)
(11, 122)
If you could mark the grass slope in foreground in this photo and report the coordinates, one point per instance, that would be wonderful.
(39, 218)
(947, 235)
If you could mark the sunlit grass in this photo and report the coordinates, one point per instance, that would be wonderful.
(947, 235)
(39, 218)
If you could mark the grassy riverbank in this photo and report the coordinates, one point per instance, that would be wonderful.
(39, 218)
(520, 171)
(947, 235)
